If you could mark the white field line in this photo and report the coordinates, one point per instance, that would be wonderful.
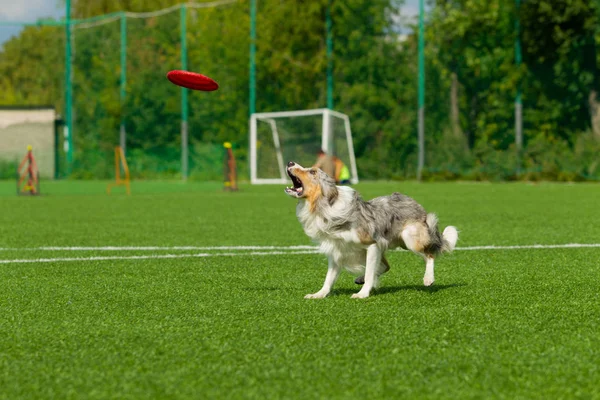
(277, 249)
(152, 256)
(237, 251)
(158, 248)
(532, 246)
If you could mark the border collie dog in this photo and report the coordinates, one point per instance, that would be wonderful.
(355, 234)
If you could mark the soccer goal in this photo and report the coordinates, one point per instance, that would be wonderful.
(279, 137)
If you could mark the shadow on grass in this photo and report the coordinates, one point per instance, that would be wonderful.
(394, 289)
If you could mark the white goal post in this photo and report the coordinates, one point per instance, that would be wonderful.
(279, 137)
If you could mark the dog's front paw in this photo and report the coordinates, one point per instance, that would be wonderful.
(360, 295)
(428, 280)
(318, 295)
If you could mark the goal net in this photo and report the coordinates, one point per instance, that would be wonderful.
(279, 137)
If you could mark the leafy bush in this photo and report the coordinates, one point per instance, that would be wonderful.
(8, 169)
(543, 158)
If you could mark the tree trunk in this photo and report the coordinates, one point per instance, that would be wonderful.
(594, 113)
(454, 110)
(472, 120)
(590, 64)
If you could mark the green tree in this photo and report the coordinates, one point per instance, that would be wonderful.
(376, 85)
(560, 51)
(31, 67)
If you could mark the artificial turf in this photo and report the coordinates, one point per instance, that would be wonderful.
(497, 323)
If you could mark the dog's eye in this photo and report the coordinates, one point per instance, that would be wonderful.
(313, 171)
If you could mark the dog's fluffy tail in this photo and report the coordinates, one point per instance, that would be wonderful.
(441, 243)
(450, 236)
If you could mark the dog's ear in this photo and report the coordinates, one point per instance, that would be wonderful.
(333, 195)
(330, 192)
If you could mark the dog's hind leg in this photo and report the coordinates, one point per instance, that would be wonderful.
(428, 278)
(333, 271)
(374, 254)
(416, 238)
(383, 268)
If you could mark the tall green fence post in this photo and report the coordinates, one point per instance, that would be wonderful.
(252, 88)
(184, 97)
(421, 123)
(68, 89)
(122, 132)
(328, 25)
(518, 102)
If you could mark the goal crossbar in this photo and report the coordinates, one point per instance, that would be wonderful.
(326, 141)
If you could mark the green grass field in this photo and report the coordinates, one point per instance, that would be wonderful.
(214, 322)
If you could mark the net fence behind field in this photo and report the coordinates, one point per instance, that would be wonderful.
(502, 98)
(166, 131)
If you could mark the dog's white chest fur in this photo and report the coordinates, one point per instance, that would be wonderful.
(343, 245)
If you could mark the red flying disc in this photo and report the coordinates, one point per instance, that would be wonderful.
(192, 80)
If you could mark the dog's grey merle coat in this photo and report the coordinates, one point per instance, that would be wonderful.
(355, 234)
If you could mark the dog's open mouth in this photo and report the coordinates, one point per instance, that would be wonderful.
(297, 190)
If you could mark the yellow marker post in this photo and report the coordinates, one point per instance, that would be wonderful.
(230, 169)
(28, 173)
(120, 161)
